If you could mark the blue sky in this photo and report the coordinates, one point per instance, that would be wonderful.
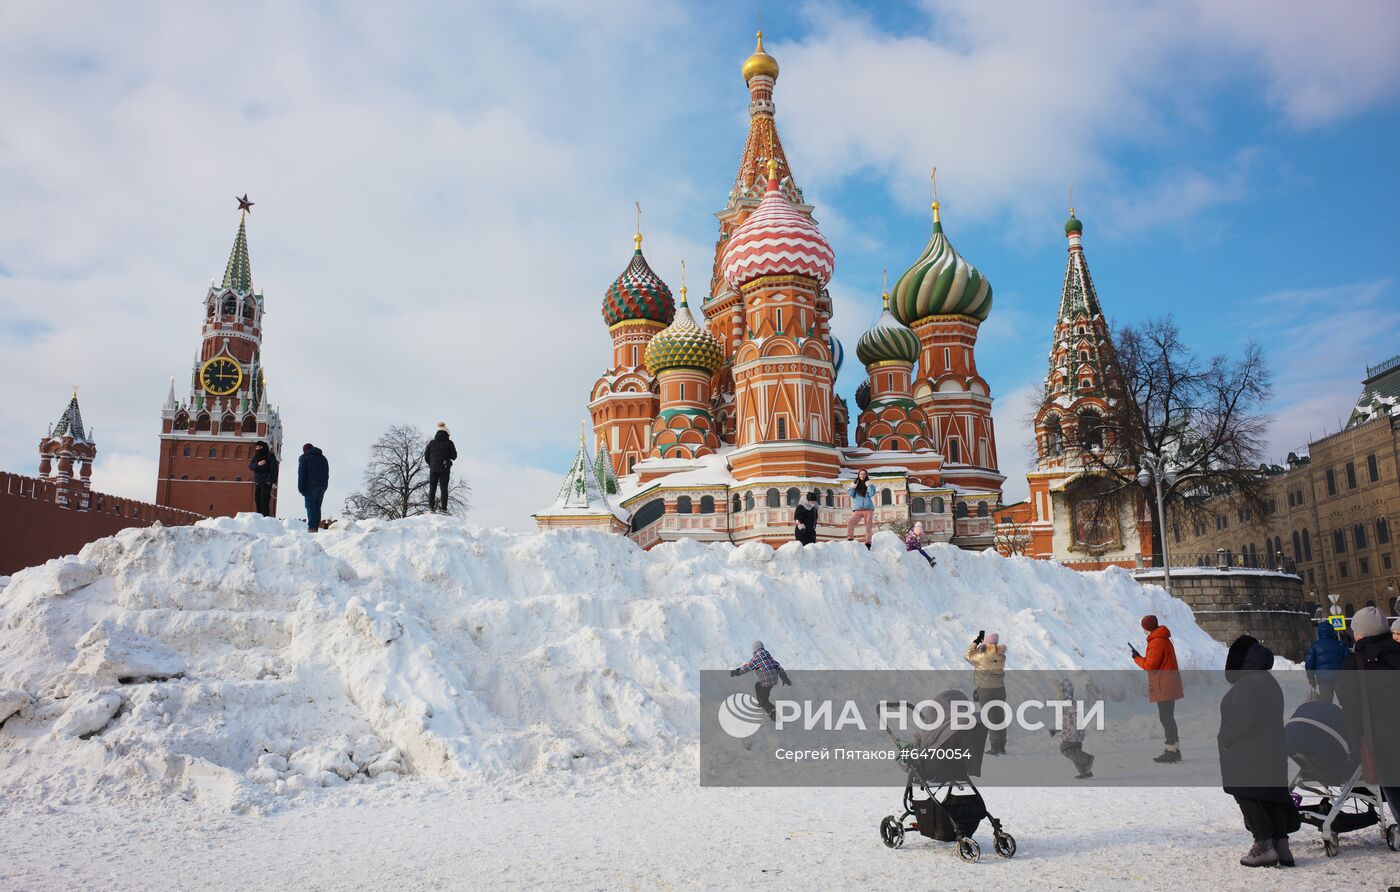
(444, 194)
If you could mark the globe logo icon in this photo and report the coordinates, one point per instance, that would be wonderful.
(740, 715)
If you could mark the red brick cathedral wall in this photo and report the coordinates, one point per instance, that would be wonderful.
(34, 528)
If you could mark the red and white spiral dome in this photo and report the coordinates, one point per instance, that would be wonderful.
(777, 239)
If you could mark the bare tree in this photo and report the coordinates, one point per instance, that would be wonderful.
(1013, 536)
(396, 479)
(1204, 417)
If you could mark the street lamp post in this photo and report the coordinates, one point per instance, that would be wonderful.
(1153, 473)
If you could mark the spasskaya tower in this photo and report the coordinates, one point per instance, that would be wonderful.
(207, 438)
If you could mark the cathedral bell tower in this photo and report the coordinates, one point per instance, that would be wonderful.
(207, 438)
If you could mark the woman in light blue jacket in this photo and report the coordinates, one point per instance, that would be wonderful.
(862, 507)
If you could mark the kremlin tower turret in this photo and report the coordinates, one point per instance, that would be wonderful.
(891, 420)
(65, 457)
(207, 438)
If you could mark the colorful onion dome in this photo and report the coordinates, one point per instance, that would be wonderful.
(863, 395)
(941, 283)
(1072, 225)
(638, 293)
(777, 239)
(760, 63)
(888, 340)
(838, 353)
(683, 345)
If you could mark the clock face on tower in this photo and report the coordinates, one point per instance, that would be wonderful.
(220, 376)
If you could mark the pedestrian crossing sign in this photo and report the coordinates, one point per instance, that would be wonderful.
(1338, 622)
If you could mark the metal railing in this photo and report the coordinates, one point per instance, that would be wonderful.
(1225, 559)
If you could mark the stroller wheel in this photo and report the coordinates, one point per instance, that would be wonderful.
(892, 832)
(1005, 845)
(1392, 837)
(968, 849)
(1331, 848)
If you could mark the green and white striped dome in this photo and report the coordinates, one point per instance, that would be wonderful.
(941, 283)
(888, 341)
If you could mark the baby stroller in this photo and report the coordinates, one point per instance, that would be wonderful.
(1316, 741)
(953, 807)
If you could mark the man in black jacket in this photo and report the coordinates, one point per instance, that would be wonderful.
(263, 464)
(439, 454)
(805, 520)
(313, 476)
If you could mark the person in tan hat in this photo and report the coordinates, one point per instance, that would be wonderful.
(440, 454)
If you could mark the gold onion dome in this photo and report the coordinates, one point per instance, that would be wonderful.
(941, 283)
(760, 63)
(888, 341)
(683, 345)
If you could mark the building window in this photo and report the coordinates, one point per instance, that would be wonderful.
(830, 499)
(1307, 546)
(1290, 500)
(1351, 475)
(1297, 547)
(238, 479)
(1312, 578)
(1371, 470)
(683, 505)
(213, 452)
(748, 501)
(947, 359)
(737, 505)
(1385, 561)
(1349, 610)
(793, 497)
(1342, 569)
(780, 320)
(1090, 430)
(1358, 535)
(981, 509)
(1382, 531)
(937, 504)
(1331, 482)
(1365, 565)
(187, 452)
(1083, 355)
(184, 476)
(918, 505)
(1339, 542)
(782, 428)
(886, 497)
(960, 509)
(202, 422)
(954, 451)
(774, 499)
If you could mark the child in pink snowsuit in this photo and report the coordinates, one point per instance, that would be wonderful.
(914, 541)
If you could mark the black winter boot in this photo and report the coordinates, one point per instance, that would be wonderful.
(1285, 854)
(1170, 755)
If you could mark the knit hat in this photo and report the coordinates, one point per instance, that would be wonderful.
(442, 426)
(1368, 621)
(307, 447)
(758, 645)
(992, 638)
(1149, 622)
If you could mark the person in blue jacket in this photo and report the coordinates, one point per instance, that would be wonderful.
(1324, 659)
(313, 476)
(862, 506)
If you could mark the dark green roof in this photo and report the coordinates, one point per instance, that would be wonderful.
(238, 274)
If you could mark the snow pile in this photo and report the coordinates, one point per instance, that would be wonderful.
(241, 659)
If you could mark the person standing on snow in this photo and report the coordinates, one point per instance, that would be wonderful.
(988, 659)
(914, 541)
(1253, 756)
(1071, 734)
(263, 464)
(1163, 682)
(805, 520)
(1370, 695)
(313, 476)
(1323, 660)
(769, 674)
(439, 454)
(862, 507)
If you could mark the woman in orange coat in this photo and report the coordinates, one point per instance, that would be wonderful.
(1163, 681)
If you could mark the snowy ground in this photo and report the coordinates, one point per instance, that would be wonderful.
(690, 838)
(423, 704)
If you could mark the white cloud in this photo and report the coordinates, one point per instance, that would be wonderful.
(1015, 439)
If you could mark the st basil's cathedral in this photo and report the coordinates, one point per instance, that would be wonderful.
(712, 422)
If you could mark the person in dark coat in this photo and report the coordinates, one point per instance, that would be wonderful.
(313, 476)
(1323, 660)
(1373, 670)
(263, 464)
(439, 454)
(805, 520)
(1253, 756)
